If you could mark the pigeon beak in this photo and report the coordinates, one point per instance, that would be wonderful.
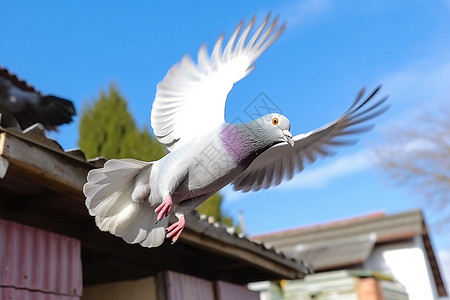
(288, 137)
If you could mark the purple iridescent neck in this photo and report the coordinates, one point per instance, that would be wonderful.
(242, 142)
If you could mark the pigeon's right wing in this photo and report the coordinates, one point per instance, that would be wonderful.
(190, 101)
(282, 161)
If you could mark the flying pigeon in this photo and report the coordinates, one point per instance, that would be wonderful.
(28, 106)
(133, 199)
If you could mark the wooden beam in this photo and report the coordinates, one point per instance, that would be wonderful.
(48, 167)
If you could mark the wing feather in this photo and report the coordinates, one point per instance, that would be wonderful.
(230, 45)
(282, 161)
(241, 42)
(189, 89)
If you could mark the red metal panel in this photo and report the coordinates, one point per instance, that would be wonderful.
(38, 260)
(229, 291)
(18, 294)
(181, 286)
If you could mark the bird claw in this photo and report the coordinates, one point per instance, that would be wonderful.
(164, 208)
(175, 229)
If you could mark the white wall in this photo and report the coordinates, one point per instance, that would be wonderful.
(408, 263)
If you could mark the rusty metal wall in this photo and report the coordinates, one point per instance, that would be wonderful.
(34, 260)
(229, 291)
(180, 287)
(17, 294)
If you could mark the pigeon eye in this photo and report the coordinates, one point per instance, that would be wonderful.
(275, 121)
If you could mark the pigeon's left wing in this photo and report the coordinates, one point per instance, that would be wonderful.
(282, 161)
(190, 101)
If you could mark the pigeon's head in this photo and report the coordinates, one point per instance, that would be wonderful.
(277, 128)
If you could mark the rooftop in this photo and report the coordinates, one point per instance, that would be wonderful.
(346, 243)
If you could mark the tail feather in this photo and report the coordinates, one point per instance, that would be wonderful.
(108, 189)
(114, 169)
(136, 224)
(111, 204)
(104, 176)
(108, 197)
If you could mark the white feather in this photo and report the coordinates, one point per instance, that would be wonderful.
(189, 90)
(108, 197)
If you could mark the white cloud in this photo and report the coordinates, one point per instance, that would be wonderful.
(322, 176)
(422, 82)
(422, 89)
(315, 178)
(399, 145)
(299, 12)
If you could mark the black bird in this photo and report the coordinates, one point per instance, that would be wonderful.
(28, 106)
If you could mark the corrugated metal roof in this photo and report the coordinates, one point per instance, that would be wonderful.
(16, 81)
(50, 110)
(39, 260)
(333, 253)
(386, 228)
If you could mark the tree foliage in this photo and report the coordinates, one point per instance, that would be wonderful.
(419, 157)
(212, 208)
(108, 129)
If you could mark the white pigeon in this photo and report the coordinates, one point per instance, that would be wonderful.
(132, 199)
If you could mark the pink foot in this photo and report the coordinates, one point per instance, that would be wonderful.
(164, 208)
(176, 228)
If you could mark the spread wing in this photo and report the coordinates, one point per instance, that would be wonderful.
(190, 100)
(282, 161)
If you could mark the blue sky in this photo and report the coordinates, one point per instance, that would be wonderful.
(329, 51)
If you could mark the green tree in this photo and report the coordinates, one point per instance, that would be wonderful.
(213, 208)
(108, 129)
